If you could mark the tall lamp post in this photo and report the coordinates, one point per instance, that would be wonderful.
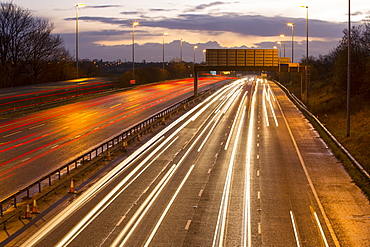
(181, 49)
(195, 47)
(283, 36)
(292, 25)
(135, 23)
(163, 34)
(279, 43)
(306, 52)
(181, 57)
(77, 6)
(349, 73)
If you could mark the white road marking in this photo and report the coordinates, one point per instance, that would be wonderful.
(295, 229)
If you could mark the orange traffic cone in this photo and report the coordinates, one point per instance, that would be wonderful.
(72, 187)
(28, 212)
(163, 121)
(34, 206)
(108, 155)
(124, 145)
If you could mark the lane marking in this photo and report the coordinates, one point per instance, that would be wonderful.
(34, 127)
(220, 231)
(321, 230)
(57, 145)
(322, 210)
(295, 229)
(168, 208)
(120, 221)
(14, 133)
(115, 105)
(200, 193)
(188, 225)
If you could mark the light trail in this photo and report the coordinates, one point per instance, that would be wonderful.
(271, 107)
(110, 176)
(168, 207)
(247, 229)
(313, 189)
(264, 106)
(218, 239)
(234, 123)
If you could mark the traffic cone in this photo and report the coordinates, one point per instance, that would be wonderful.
(108, 155)
(72, 187)
(34, 206)
(28, 212)
(163, 121)
(124, 145)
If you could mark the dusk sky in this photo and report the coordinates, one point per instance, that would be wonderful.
(105, 26)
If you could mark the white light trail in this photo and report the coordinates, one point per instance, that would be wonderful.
(168, 207)
(264, 106)
(234, 123)
(247, 229)
(221, 221)
(109, 177)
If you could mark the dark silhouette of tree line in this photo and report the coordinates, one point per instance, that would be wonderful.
(332, 68)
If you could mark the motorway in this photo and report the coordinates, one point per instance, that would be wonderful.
(36, 144)
(229, 172)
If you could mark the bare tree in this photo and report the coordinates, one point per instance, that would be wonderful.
(27, 45)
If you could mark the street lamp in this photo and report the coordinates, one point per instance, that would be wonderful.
(135, 23)
(283, 36)
(195, 47)
(349, 73)
(163, 34)
(279, 43)
(306, 52)
(181, 49)
(77, 6)
(292, 25)
(204, 56)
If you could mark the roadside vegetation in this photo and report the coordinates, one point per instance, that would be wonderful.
(328, 90)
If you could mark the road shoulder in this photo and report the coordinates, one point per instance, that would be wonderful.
(346, 206)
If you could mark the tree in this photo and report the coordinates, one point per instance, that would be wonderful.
(27, 46)
(360, 54)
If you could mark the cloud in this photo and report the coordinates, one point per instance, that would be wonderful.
(131, 13)
(255, 25)
(204, 6)
(102, 6)
(161, 10)
(106, 20)
(254, 30)
(248, 24)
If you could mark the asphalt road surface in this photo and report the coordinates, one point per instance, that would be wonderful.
(36, 144)
(232, 171)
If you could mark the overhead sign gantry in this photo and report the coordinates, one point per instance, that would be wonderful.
(244, 60)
